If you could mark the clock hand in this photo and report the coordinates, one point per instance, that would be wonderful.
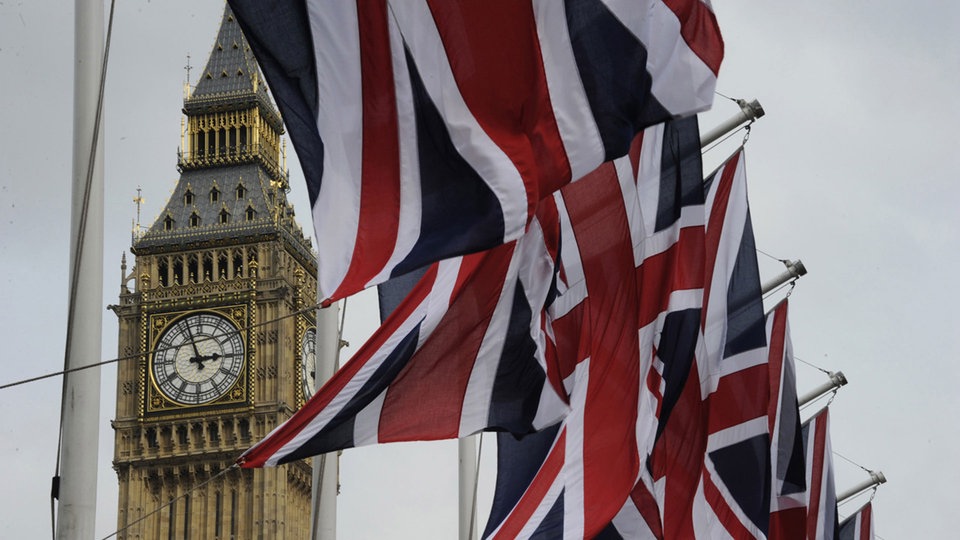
(193, 342)
(198, 360)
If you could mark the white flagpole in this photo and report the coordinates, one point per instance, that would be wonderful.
(876, 478)
(795, 270)
(748, 113)
(76, 513)
(467, 449)
(836, 381)
(326, 467)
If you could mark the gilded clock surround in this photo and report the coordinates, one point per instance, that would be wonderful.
(226, 243)
(157, 401)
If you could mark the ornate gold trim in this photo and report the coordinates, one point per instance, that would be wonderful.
(153, 402)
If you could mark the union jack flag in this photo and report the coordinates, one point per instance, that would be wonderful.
(428, 129)
(710, 466)
(630, 292)
(859, 526)
(463, 352)
(789, 488)
(821, 503)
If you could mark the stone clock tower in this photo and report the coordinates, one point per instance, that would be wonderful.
(218, 327)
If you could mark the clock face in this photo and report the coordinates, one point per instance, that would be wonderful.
(309, 356)
(198, 359)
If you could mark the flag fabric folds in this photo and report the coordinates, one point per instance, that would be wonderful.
(734, 481)
(630, 291)
(859, 526)
(710, 466)
(430, 129)
(462, 353)
(788, 489)
(821, 503)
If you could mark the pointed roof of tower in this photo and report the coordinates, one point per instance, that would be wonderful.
(230, 198)
(231, 78)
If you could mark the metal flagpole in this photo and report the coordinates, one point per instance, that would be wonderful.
(467, 448)
(836, 381)
(326, 467)
(76, 513)
(748, 113)
(876, 478)
(795, 270)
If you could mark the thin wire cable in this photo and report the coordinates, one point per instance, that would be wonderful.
(171, 501)
(78, 257)
(778, 259)
(159, 350)
(838, 454)
(778, 288)
(832, 395)
(725, 97)
(797, 358)
(724, 138)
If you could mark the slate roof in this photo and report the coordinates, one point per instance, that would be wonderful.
(231, 78)
(195, 220)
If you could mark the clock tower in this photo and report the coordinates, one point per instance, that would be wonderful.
(217, 327)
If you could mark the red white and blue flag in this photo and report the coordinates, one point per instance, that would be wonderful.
(859, 526)
(462, 353)
(822, 522)
(429, 129)
(710, 466)
(789, 489)
(630, 291)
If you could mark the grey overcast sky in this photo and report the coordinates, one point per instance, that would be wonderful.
(852, 171)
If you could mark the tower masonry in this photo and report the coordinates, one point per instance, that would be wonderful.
(215, 324)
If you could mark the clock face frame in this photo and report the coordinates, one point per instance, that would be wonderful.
(199, 357)
(308, 361)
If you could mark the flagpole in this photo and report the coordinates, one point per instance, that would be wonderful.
(76, 512)
(326, 467)
(836, 381)
(467, 449)
(876, 478)
(795, 270)
(748, 113)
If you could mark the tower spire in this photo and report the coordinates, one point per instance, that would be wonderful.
(138, 200)
(186, 85)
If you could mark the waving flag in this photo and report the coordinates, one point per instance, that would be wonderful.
(788, 489)
(821, 505)
(639, 519)
(859, 526)
(428, 129)
(710, 464)
(735, 486)
(630, 294)
(463, 352)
